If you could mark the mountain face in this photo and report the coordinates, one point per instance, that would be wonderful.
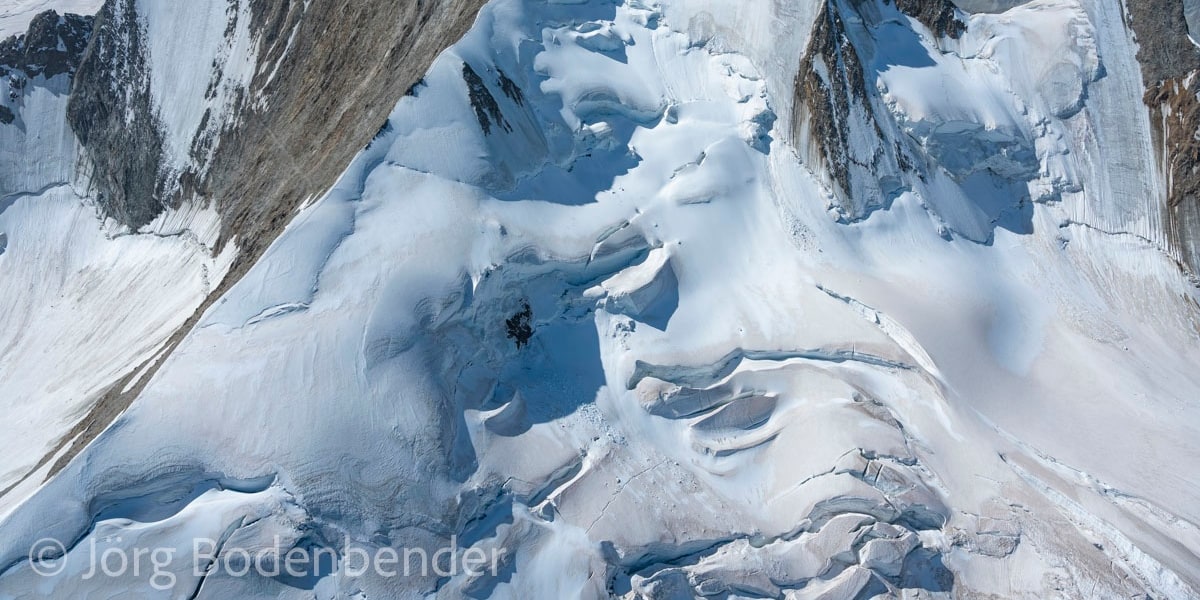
(35, 76)
(52, 47)
(1170, 61)
(176, 110)
(208, 89)
(675, 299)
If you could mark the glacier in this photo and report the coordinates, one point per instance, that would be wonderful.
(595, 299)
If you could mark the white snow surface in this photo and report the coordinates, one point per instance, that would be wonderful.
(111, 303)
(726, 391)
(38, 149)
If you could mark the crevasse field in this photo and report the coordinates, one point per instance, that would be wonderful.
(584, 300)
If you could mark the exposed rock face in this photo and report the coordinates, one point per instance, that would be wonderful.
(116, 123)
(1170, 64)
(52, 46)
(838, 113)
(940, 16)
(1162, 37)
(305, 129)
(284, 136)
(830, 93)
(987, 6)
(486, 109)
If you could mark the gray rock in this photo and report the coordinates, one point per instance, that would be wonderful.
(987, 6)
(112, 115)
(305, 130)
(52, 46)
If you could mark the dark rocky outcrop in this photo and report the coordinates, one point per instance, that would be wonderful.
(832, 105)
(113, 116)
(940, 16)
(483, 102)
(52, 46)
(823, 95)
(519, 327)
(1162, 36)
(510, 88)
(1170, 70)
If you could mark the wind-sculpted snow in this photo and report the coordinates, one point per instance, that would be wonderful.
(581, 304)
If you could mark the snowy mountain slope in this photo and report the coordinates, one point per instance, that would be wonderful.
(582, 301)
(85, 305)
(715, 380)
(141, 288)
(84, 115)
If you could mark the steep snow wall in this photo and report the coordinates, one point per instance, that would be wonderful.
(37, 148)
